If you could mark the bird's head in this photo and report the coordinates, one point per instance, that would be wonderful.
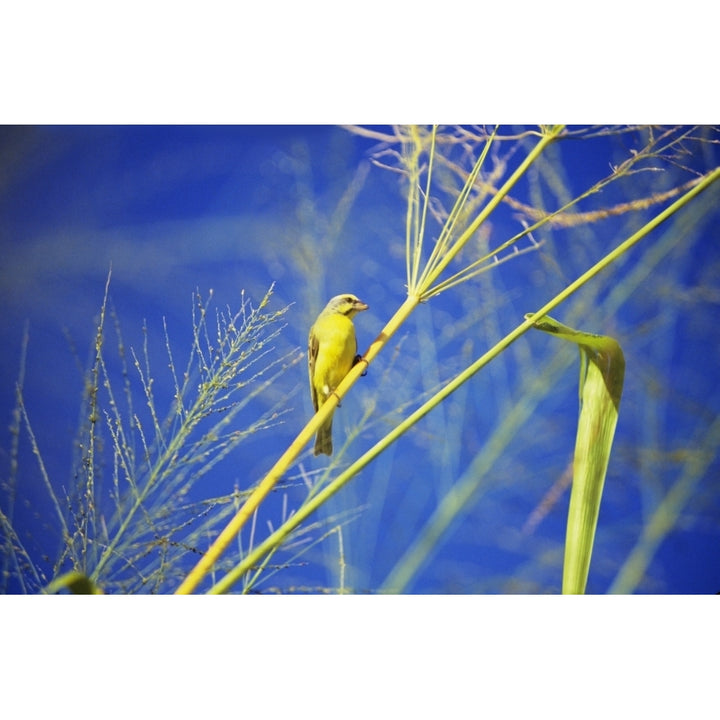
(345, 304)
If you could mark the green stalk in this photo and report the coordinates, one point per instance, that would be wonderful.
(667, 512)
(468, 487)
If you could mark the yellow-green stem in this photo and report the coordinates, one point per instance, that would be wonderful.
(665, 515)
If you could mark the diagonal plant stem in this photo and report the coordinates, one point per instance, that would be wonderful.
(666, 514)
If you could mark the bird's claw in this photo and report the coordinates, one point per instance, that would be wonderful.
(360, 358)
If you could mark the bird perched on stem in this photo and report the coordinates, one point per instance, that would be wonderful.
(332, 351)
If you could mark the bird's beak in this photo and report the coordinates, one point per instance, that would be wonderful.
(359, 305)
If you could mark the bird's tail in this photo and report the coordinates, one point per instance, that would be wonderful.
(323, 439)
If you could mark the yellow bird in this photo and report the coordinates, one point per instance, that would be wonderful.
(332, 351)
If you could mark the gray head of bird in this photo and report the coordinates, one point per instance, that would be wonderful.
(346, 304)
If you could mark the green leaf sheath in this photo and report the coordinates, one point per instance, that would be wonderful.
(602, 373)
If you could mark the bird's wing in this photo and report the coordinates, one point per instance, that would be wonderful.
(313, 345)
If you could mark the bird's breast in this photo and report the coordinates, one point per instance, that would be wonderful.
(336, 350)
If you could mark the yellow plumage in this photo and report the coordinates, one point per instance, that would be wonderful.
(332, 349)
